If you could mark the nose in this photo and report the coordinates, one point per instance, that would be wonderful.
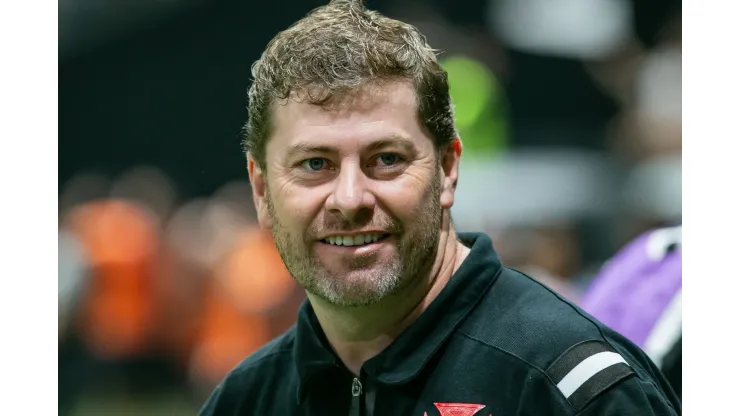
(351, 197)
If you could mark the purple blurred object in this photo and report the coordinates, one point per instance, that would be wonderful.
(638, 292)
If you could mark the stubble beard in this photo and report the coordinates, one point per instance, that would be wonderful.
(416, 249)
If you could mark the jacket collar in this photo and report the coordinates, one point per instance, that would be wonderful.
(408, 355)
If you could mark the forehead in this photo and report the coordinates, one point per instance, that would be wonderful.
(370, 115)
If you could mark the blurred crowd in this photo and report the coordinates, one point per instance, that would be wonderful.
(163, 290)
(182, 290)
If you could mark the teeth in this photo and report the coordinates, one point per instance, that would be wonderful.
(357, 240)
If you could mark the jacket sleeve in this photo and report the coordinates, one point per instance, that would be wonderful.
(226, 399)
(632, 396)
(597, 378)
(211, 406)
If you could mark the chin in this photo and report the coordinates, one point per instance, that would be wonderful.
(358, 295)
(355, 301)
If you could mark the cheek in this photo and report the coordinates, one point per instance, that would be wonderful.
(403, 200)
(297, 208)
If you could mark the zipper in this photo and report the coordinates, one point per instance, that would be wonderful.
(356, 387)
(355, 408)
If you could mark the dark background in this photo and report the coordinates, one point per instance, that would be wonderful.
(172, 92)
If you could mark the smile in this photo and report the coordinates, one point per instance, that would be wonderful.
(354, 240)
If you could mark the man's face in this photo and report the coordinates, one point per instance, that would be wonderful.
(354, 196)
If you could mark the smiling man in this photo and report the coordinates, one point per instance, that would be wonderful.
(353, 158)
(354, 194)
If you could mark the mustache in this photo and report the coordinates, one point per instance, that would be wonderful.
(342, 225)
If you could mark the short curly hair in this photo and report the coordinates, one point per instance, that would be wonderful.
(339, 49)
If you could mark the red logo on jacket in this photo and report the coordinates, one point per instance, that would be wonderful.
(457, 409)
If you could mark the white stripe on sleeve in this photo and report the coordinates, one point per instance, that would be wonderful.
(587, 369)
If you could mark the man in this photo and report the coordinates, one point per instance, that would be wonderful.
(639, 293)
(353, 158)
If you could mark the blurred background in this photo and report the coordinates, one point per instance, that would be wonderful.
(569, 110)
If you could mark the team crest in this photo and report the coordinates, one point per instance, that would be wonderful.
(457, 409)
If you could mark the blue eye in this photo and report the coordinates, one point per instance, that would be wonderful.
(388, 159)
(315, 163)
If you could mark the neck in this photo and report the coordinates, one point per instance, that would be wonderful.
(358, 334)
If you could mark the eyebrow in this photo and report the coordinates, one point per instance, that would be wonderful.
(393, 140)
(300, 148)
(390, 141)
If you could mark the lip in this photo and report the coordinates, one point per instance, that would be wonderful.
(352, 234)
(364, 249)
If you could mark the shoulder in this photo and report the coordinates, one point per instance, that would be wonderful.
(266, 370)
(576, 356)
(278, 352)
(528, 320)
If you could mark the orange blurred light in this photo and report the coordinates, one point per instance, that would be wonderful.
(114, 231)
(120, 239)
(228, 336)
(254, 275)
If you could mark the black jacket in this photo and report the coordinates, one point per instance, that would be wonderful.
(494, 342)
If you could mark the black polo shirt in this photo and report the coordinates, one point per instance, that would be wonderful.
(493, 343)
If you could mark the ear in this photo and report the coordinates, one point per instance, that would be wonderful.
(450, 166)
(259, 191)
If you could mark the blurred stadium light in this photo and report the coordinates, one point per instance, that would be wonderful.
(530, 188)
(480, 106)
(584, 29)
(653, 189)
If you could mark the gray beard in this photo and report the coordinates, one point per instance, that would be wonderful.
(416, 250)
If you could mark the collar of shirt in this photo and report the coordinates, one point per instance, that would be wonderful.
(407, 356)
